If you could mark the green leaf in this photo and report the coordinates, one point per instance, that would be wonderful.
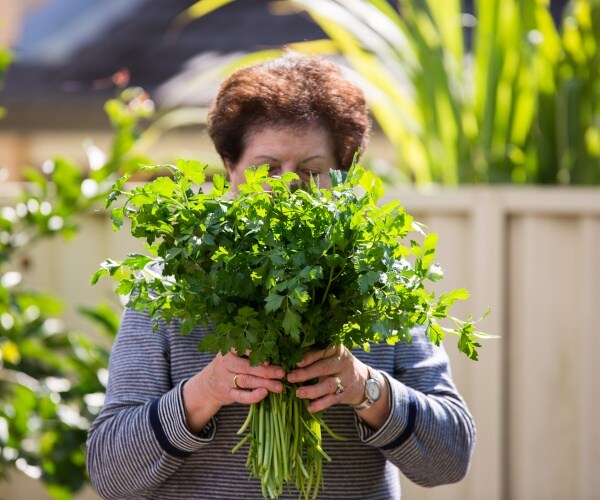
(163, 186)
(187, 325)
(458, 294)
(436, 333)
(125, 287)
(109, 266)
(428, 249)
(372, 185)
(116, 216)
(135, 261)
(273, 302)
(140, 198)
(192, 170)
(299, 296)
(97, 275)
(337, 177)
(291, 324)
(367, 280)
(289, 177)
(173, 252)
(255, 176)
(435, 272)
(218, 185)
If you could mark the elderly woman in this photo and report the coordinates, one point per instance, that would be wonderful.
(171, 413)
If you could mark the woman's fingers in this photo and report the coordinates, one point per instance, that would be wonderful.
(312, 356)
(324, 393)
(245, 382)
(237, 364)
(240, 382)
(323, 403)
(324, 387)
(319, 363)
(339, 376)
(248, 397)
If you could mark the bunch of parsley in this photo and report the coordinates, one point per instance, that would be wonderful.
(279, 270)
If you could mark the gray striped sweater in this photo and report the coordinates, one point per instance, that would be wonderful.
(140, 447)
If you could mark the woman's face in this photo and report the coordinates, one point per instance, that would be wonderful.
(306, 151)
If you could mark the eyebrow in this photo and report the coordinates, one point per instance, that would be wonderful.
(267, 157)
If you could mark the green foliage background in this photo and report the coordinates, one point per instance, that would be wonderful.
(52, 378)
(521, 105)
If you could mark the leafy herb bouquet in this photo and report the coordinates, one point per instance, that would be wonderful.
(281, 269)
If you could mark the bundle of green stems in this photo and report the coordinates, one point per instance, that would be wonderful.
(285, 445)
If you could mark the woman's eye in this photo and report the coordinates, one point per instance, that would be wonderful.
(274, 170)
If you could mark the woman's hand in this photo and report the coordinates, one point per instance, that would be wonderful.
(341, 379)
(225, 380)
(331, 367)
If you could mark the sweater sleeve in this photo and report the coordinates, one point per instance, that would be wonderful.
(140, 436)
(430, 433)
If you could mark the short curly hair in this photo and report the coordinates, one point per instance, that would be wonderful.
(290, 91)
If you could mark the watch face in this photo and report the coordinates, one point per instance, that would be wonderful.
(373, 390)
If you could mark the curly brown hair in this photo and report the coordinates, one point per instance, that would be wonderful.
(290, 91)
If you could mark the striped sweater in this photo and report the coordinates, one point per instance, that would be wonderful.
(140, 447)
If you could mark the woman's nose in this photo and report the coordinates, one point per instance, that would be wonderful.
(290, 167)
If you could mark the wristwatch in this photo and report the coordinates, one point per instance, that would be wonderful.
(372, 390)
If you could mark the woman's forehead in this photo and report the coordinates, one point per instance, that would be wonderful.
(279, 140)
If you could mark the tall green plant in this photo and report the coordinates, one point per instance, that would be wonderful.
(522, 104)
(566, 132)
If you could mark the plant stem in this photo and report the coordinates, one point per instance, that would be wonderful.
(285, 445)
(328, 286)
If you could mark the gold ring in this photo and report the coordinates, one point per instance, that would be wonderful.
(340, 388)
(235, 384)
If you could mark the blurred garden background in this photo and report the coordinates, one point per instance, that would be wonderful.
(486, 127)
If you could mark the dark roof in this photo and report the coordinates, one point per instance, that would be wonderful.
(66, 89)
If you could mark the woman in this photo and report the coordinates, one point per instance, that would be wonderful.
(171, 413)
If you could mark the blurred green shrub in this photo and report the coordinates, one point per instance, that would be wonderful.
(52, 379)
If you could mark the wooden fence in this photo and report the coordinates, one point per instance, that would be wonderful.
(533, 256)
